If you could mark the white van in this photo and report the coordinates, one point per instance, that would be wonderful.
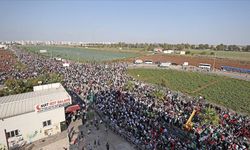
(165, 64)
(204, 66)
(148, 62)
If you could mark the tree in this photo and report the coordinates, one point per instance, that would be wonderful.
(210, 116)
(246, 49)
(220, 47)
(192, 46)
(129, 86)
(158, 94)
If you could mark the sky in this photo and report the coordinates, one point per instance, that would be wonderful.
(169, 21)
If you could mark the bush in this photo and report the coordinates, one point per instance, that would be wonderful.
(14, 86)
(188, 52)
(203, 53)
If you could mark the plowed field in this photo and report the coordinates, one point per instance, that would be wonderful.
(195, 60)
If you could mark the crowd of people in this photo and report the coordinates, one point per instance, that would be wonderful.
(7, 64)
(149, 122)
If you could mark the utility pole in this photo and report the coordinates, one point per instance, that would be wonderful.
(6, 137)
(214, 61)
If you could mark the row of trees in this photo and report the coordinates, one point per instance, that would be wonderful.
(13, 86)
(151, 46)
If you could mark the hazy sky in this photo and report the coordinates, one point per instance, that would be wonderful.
(170, 21)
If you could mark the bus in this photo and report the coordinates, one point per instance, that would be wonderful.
(205, 66)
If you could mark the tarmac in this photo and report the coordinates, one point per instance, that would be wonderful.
(97, 139)
(89, 141)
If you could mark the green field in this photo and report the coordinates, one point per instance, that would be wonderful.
(242, 56)
(81, 54)
(225, 91)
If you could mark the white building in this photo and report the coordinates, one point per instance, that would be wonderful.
(3, 46)
(168, 51)
(28, 117)
(185, 64)
(158, 49)
(182, 52)
(43, 51)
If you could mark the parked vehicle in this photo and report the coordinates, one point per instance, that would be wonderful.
(148, 62)
(205, 66)
(165, 64)
(235, 69)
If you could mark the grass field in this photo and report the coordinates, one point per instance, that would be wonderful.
(81, 54)
(228, 92)
(243, 56)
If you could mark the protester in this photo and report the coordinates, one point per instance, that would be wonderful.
(136, 113)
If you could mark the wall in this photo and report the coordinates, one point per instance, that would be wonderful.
(30, 125)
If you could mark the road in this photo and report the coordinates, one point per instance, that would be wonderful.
(217, 72)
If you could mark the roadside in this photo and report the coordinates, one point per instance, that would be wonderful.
(240, 76)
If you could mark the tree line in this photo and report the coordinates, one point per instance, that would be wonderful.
(14, 86)
(183, 46)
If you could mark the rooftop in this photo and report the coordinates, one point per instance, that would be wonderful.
(14, 105)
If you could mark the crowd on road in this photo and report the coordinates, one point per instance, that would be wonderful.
(7, 64)
(150, 122)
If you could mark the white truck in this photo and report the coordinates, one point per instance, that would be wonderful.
(165, 64)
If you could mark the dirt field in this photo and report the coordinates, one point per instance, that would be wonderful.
(195, 60)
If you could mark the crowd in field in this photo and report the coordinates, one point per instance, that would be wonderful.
(151, 123)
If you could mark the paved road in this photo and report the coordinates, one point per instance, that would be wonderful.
(221, 73)
(115, 141)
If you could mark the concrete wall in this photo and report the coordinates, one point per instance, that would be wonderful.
(30, 126)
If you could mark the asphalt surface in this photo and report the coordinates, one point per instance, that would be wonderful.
(103, 135)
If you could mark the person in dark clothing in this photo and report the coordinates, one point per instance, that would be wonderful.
(107, 146)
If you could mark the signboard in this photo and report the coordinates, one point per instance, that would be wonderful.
(52, 105)
(65, 64)
(43, 51)
(185, 64)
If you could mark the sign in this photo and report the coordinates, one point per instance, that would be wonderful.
(43, 51)
(65, 64)
(52, 105)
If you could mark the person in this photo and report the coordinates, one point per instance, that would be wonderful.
(89, 147)
(82, 134)
(107, 146)
(98, 141)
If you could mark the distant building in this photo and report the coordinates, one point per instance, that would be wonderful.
(31, 116)
(3, 46)
(158, 49)
(182, 52)
(185, 64)
(43, 51)
(168, 51)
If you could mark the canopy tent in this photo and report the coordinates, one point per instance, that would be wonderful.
(72, 108)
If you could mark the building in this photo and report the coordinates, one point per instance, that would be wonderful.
(182, 52)
(168, 51)
(158, 49)
(43, 51)
(3, 46)
(28, 117)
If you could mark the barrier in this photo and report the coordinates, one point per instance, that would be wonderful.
(119, 131)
